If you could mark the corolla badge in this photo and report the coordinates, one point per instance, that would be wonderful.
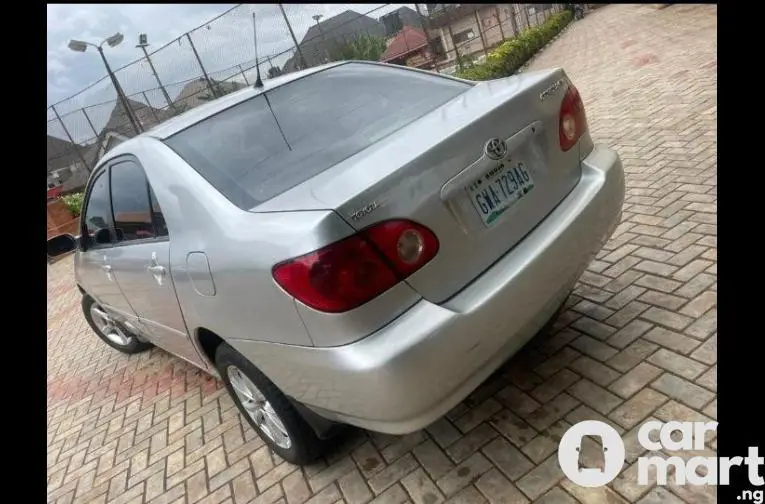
(552, 89)
(495, 149)
(366, 210)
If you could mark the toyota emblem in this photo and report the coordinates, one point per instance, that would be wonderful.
(495, 149)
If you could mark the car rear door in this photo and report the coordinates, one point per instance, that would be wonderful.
(140, 259)
(94, 270)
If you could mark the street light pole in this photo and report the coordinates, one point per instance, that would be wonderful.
(317, 17)
(81, 46)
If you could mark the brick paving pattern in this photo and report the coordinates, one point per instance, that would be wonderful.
(637, 341)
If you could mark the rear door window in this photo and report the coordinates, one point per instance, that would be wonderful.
(130, 203)
(259, 148)
(96, 216)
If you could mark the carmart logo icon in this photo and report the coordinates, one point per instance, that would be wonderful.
(570, 448)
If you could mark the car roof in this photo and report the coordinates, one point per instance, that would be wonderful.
(201, 112)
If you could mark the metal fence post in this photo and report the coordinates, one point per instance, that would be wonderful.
(514, 20)
(151, 109)
(156, 76)
(199, 60)
(71, 140)
(90, 123)
(427, 37)
(95, 133)
(294, 40)
(457, 58)
(526, 16)
(243, 75)
(480, 33)
(499, 22)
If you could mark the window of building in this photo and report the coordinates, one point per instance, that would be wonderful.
(464, 36)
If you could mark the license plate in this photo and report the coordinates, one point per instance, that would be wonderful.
(498, 189)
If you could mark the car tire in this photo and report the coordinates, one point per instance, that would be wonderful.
(267, 409)
(112, 333)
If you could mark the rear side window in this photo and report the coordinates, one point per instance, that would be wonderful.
(159, 218)
(130, 203)
(264, 146)
(96, 215)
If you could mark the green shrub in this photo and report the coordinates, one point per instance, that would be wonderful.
(73, 203)
(509, 56)
(363, 47)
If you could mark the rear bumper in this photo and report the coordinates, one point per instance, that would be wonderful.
(410, 373)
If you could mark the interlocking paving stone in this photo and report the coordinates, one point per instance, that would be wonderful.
(634, 380)
(682, 390)
(637, 407)
(150, 428)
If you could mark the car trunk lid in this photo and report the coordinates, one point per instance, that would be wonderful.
(480, 171)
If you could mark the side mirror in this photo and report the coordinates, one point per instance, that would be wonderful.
(103, 236)
(61, 244)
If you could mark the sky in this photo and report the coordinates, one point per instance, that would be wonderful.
(221, 44)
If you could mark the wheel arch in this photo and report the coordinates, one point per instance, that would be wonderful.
(208, 342)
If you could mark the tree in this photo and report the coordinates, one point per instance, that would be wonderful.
(363, 47)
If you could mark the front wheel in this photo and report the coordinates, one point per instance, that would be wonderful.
(109, 330)
(267, 409)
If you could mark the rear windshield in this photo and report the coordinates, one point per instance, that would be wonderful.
(252, 152)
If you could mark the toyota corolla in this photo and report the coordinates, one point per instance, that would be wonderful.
(357, 243)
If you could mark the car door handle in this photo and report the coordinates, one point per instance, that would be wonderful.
(108, 270)
(156, 270)
(106, 267)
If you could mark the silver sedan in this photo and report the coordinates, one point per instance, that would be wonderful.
(356, 243)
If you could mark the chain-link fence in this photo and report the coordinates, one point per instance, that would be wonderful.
(461, 34)
(218, 58)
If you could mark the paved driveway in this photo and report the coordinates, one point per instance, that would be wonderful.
(637, 341)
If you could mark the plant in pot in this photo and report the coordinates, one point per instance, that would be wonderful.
(73, 203)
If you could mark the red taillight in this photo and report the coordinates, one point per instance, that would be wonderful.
(573, 121)
(348, 273)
